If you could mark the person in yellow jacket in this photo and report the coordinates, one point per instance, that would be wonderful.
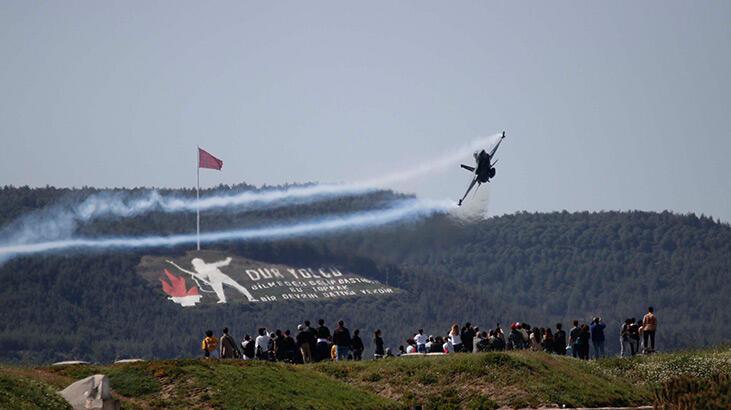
(209, 344)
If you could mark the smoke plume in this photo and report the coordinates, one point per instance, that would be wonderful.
(399, 211)
(60, 221)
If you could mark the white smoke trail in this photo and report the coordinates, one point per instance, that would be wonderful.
(99, 205)
(404, 210)
(60, 222)
(431, 165)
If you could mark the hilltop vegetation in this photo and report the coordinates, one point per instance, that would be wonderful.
(490, 380)
(538, 268)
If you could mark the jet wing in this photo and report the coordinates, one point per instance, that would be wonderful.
(469, 188)
(492, 153)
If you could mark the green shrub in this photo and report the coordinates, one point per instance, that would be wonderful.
(689, 392)
(24, 393)
(427, 378)
(482, 403)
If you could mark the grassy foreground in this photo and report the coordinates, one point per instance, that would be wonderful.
(490, 380)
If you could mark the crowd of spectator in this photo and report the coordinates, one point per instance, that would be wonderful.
(318, 343)
(309, 344)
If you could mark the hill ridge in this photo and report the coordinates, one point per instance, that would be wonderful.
(539, 268)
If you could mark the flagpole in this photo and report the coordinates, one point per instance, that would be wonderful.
(198, 198)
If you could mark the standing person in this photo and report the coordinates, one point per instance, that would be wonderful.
(624, 338)
(323, 349)
(515, 338)
(278, 345)
(649, 326)
(313, 338)
(455, 338)
(634, 336)
(322, 335)
(582, 342)
(559, 340)
(642, 343)
(541, 332)
(229, 350)
(341, 339)
(468, 338)
(209, 344)
(574, 338)
(248, 348)
(497, 343)
(261, 345)
(288, 346)
(597, 337)
(323, 332)
(499, 332)
(356, 343)
(477, 339)
(420, 339)
(271, 352)
(548, 342)
(378, 342)
(535, 339)
(524, 329)
(304, 343)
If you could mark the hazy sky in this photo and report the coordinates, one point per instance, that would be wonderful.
(607, 105)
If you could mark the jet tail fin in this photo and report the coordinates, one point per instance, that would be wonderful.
(468, 168)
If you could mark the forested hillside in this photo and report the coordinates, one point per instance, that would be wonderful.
(538, 268)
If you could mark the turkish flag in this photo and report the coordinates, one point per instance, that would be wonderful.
(206, 160)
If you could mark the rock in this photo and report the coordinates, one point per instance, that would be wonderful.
(69, 362)
(92, 392)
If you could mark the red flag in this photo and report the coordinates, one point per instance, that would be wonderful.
(206, 160)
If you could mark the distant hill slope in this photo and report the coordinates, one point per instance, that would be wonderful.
(486, 380)
(538, 268)
(559, 266)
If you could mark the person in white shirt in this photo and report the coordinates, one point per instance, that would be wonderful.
(261, 346)
(455, 339)
(420, 339)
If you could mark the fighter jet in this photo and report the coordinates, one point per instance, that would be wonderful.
(483, 169)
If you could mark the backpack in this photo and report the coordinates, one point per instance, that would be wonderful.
(209, 344)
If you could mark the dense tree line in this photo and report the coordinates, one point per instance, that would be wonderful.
(539, 268)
